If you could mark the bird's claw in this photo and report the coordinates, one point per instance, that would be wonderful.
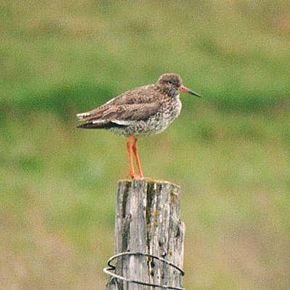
(136, 177)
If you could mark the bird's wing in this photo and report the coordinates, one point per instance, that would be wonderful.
(136, 104)
(145, 94)
(122, 114)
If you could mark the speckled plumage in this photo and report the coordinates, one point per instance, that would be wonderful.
(142, 111)
(157, 120)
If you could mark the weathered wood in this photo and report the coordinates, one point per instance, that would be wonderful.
(148, 221)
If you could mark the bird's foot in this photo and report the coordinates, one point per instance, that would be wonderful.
(132, 175)
(138, 177)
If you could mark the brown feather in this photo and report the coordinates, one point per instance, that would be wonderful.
(136, 104)
(141, 111)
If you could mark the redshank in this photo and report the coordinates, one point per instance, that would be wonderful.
(141, 111)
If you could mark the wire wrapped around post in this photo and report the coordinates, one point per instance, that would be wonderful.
(108, 270)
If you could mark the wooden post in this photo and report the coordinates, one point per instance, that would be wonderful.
(148, 221)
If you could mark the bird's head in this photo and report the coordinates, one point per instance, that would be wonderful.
(171, 84)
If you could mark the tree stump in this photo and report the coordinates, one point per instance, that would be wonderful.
(148, 222)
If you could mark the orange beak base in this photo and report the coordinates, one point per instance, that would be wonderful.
(183, 89)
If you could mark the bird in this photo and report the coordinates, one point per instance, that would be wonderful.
(142, 111)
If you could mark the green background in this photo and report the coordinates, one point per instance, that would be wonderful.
(229, 151)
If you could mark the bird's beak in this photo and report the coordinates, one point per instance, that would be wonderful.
(183, 89)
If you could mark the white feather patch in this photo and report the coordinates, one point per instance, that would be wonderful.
(81, 116)
(98, 121)
(121, 122)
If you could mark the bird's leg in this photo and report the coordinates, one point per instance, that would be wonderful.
(130, 143)
(135, 151)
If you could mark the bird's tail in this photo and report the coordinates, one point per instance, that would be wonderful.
(83, 116)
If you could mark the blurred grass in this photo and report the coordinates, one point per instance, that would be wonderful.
(237, 55)
(229, 151)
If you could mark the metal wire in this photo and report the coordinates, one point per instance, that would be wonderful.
(108, 270)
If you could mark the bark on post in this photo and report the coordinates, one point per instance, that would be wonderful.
(148, 221)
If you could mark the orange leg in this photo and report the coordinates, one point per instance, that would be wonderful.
(130, 143)
(135, 151)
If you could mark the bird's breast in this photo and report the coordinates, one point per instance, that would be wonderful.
(173, 108)
(178, 105)
(170, 111)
